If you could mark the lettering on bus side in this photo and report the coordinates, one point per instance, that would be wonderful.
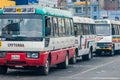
(15, 45)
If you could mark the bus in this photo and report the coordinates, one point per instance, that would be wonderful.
(108, 37)
(36, 38)
(85, 37)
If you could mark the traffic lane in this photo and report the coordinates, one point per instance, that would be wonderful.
(108, 71)
(76, 71)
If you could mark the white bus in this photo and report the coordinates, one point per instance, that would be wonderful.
(85, 37)
(36, 38)
(108, 36)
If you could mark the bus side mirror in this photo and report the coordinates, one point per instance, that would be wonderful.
(47, 31)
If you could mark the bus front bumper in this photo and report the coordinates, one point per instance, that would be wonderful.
(23, 60)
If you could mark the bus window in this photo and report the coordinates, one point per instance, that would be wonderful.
(113, 30)
(117, 30)
(80, 29)
(72, 28)
(76, 29)
(68, 27)
(92, 29)
(55, 25)
(61, 27)
(86, 29)
(47, 26)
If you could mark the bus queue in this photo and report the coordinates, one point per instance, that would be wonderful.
(36, 38)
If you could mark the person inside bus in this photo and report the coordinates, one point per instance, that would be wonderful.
(75, 30)
(10, 29)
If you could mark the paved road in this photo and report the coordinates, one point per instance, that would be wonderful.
(99, 68)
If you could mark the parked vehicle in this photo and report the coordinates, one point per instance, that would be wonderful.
(36, 38)
(85, 37)
(108, 36)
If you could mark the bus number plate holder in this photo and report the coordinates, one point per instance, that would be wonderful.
(15, 57)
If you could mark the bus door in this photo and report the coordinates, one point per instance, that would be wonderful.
(77, 32)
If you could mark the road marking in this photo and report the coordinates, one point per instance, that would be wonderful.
(91, 69)
(99, 78)
(106, 78)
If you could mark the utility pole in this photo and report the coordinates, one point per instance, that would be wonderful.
(86, 8)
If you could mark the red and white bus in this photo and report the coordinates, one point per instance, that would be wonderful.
(85, 37)
(36, 38)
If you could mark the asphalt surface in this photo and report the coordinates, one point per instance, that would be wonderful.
(99, 68)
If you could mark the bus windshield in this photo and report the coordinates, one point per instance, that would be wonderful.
(102, 29)
(21, 25)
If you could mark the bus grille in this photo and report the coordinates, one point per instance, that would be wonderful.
(15, 62)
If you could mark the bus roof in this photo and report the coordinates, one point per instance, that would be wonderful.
(83, 20)
(54, 12)
(38, 10)
(106, 21)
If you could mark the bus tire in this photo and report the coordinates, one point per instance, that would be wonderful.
(3, 69)
(112, 52)
(64, 64)
(45, 69)
(87, 56)
(73, 60)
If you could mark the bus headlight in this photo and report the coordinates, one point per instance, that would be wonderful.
(2, 54)
(33, 55)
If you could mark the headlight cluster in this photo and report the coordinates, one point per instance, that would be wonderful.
(2, 54)
(33, 55)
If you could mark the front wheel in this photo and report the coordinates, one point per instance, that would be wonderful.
(45, 69)
(64, 64)
(112, 52)
(73, 60)
(3, 69)
(87, 56)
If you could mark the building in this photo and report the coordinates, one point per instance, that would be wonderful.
(109, 4)
(94, 9)
(79, 8)
(109, 9)
(62, 4)
(46, 3)
(4, 3)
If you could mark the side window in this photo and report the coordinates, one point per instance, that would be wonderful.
(72, 27)
(55, 25)
(86, 29)
(89, 30)
(61, 26)
(92, 29)
(48, 26)
(119, 29)
(68, 27)
(76, 30)
(113, 30)
(80, 29)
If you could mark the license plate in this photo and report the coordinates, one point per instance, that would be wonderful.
(15, 57)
